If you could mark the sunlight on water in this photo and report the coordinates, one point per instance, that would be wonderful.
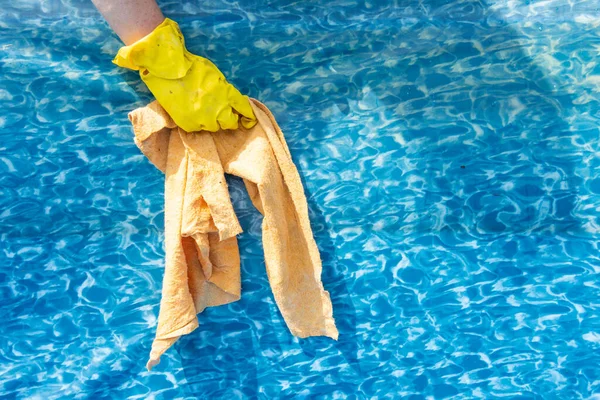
(450, 155)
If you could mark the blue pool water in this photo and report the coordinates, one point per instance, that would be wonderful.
(450, 154)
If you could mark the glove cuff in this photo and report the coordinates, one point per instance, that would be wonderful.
(161, 53)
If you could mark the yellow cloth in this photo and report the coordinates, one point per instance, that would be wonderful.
(202, 261)
(191, 88)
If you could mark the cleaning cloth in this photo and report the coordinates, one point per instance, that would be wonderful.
(202, 267)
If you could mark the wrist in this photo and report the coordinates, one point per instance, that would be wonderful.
(161, 53)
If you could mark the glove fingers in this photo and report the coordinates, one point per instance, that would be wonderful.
(227, 119)
(241, 104)
(248, 122)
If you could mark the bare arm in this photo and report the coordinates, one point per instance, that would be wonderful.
(130, 19)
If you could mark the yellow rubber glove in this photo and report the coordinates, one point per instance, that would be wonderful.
(190, 88)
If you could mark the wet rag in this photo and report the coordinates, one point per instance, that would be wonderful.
(202, 266)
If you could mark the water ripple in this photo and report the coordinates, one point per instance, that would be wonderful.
(450, 155)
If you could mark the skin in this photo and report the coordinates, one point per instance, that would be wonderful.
(130, 19)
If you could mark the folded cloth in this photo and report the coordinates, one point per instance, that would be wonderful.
(202, 267)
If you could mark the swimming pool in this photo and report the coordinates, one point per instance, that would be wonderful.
(450, 155)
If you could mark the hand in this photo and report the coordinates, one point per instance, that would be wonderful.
(190, 88)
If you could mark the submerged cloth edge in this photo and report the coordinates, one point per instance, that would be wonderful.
(296, 190)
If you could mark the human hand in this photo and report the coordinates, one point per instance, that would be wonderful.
(189, 87)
